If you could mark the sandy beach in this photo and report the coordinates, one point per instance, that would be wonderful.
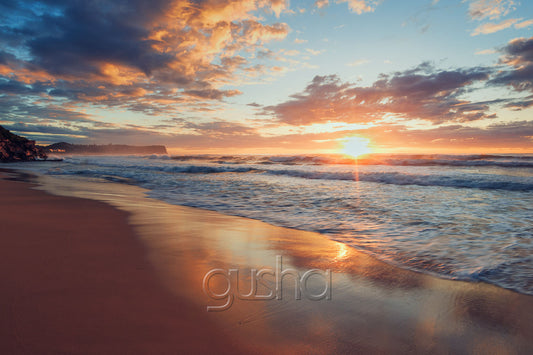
(92, 267)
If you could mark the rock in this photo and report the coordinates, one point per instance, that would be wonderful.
(15, 148)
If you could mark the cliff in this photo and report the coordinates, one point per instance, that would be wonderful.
(116, 149)
(15, 148)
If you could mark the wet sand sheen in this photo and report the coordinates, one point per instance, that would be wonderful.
(375, 308)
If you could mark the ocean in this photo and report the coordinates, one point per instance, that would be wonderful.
(464, 217)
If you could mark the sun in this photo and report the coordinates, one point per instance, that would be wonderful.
(356, 146)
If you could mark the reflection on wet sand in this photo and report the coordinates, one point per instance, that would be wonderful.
(375, 307)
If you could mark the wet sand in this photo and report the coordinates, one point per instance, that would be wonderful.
(75, 279)
(157, 263)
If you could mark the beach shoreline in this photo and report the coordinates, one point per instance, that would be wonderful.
(374, 308)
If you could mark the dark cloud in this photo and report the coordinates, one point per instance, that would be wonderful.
(520, 104)
(518, 54)
(15, 87)
(15, 109)
(88, 32)
(6, 58)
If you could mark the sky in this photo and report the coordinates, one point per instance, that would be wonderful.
(271, 76)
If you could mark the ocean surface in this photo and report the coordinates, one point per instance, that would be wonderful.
(466, 217)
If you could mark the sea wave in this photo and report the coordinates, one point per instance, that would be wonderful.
(395, 178)
(477, 181)
(504, 161)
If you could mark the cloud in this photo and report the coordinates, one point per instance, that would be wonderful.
(358, 62)
(315, 51)
(49, 124)
(219, 128)
(485, 51)
(518, 55)
(47, 130)
(493, 10)
(487, 28)
(519, 105)
(490, 9)
(360, 6)
(212, 94)
(357, 6)
(524, 24)
(321, 3)
(130, 53)
(425, 93)
(221, 134)
(276, 6)
(290, 53)
(510, 135)
(420, 93)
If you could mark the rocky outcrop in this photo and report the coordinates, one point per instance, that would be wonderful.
(116, 149)
(15, 148)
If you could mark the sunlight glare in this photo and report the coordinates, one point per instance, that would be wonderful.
(356, 146)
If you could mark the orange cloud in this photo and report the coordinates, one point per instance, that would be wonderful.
(361, 6)
(421, 93)
(491, 9)
(524, 24)
(487, 28)
(321, 3)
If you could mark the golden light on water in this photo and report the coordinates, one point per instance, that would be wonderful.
(356, 146)
(342, 252)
